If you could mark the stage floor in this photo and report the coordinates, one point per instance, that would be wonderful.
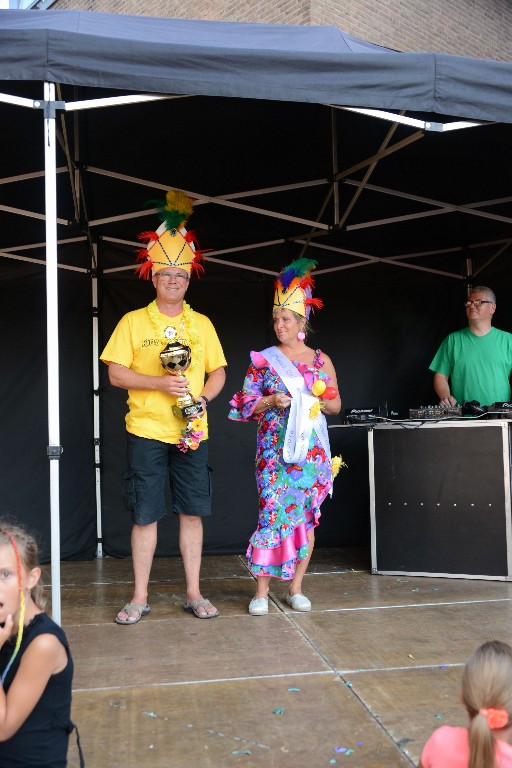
(362, 680)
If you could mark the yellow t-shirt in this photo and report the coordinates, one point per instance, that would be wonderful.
(136, 344)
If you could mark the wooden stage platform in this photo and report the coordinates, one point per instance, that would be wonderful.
(361, 681)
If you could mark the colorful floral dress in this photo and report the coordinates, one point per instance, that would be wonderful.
(290, 494)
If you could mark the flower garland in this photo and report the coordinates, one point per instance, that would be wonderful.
(191, 435)
(188, 332)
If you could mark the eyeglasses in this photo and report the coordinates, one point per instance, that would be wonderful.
(477, 303)
(172, 276)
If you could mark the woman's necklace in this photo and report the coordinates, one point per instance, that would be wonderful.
(186, 333)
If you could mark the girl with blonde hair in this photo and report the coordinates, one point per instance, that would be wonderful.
(487, 696)
(36, 667)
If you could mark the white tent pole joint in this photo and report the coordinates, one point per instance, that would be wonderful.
(49, 108)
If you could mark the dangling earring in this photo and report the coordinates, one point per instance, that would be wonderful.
(301, 335)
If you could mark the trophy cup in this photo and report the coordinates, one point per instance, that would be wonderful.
(175, 359)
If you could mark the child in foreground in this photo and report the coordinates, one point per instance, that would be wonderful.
(487, 696)
(35, 662)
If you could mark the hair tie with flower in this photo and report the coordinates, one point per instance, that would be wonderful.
(496, 718)
(191, 436)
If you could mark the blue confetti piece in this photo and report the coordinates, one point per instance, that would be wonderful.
(443, 666)
(340, 749)
(359, 743)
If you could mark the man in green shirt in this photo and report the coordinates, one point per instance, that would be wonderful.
(474, 363)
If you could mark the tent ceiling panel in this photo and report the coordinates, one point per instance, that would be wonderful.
(262, 162)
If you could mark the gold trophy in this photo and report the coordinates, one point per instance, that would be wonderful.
(175, 359)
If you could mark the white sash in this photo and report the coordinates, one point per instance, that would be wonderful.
(300, 425)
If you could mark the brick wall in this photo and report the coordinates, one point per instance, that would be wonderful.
(479, 28)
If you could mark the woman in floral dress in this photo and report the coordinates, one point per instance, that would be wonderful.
(293, 463)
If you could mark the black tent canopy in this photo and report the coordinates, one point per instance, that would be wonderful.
(165, 72)
(154, 66)
(291, 139)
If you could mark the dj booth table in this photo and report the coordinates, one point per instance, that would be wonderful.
(440, 499)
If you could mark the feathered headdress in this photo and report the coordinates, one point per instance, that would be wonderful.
(293, 288)
(171, 245)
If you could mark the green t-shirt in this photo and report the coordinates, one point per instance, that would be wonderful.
(478, 367)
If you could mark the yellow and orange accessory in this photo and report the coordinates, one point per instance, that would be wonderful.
(294, 286)
(171, 245)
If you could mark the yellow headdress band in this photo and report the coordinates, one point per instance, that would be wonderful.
(171, 245)
(293, 288)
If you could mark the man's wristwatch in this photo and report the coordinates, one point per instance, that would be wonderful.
(206, 401)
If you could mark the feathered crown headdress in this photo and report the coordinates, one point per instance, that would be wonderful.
(171, 245)
(293, 288)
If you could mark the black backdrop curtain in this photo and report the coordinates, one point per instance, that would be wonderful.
(381, 333)
(24, 480)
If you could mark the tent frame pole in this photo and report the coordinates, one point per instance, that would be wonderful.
(96, 405)
(52, 346)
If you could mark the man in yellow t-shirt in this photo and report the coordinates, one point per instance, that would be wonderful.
(162, 446)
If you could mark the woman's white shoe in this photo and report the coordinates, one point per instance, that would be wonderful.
(299, 602)
(258, 606)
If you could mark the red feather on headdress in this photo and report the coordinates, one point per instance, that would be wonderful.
(197, 267)
(144, 271)
(147, 236)
(197, 264)
(314, 303)
(307, 282)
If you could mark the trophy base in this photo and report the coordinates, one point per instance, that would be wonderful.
(187, 411)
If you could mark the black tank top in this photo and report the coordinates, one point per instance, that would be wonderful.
(43, 738)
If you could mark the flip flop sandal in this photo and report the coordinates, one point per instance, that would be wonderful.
(191, 606)
(139, 608)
